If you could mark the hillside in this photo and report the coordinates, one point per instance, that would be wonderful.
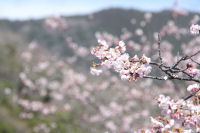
(82, 28)
(45, 80)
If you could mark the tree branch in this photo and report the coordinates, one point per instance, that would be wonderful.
(195, 61)
(159, 50)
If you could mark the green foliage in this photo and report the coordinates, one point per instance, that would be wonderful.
(5, 127)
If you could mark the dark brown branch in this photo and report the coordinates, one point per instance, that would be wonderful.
(195, 54)
(195, 61)
(154, 77)
(185, 79)
(172, 71)
(173, 77)
(185, 58)
(181, 59)
(188, 97)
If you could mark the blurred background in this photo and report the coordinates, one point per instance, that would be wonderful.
(45, 80)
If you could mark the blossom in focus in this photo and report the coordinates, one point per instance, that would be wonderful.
(194, 29)
(193, 72)
(183, 113)
(156, 123)
(170, 123)
(145, 59)
(103, 43)
(122, 46)
(193, 88)
(128, 68)
(125, 77)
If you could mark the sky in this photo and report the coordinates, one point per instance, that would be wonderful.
(34, 9)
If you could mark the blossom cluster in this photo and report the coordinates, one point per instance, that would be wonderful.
(48, 81)
(181, 116)
(39, 86)
(116, 58)
(178, 115)
(194, 72)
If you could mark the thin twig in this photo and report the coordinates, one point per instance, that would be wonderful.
(172, 71)
(188, 97)
(195, 61)
(185, 58)
(181, 59)
(154, 77)
(159, 50)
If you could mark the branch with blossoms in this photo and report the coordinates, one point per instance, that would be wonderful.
(132, 68)
(186, 112)
(171, 72)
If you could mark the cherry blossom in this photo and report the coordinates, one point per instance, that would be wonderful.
(194, 29)
(128, 68)
(193, 88)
